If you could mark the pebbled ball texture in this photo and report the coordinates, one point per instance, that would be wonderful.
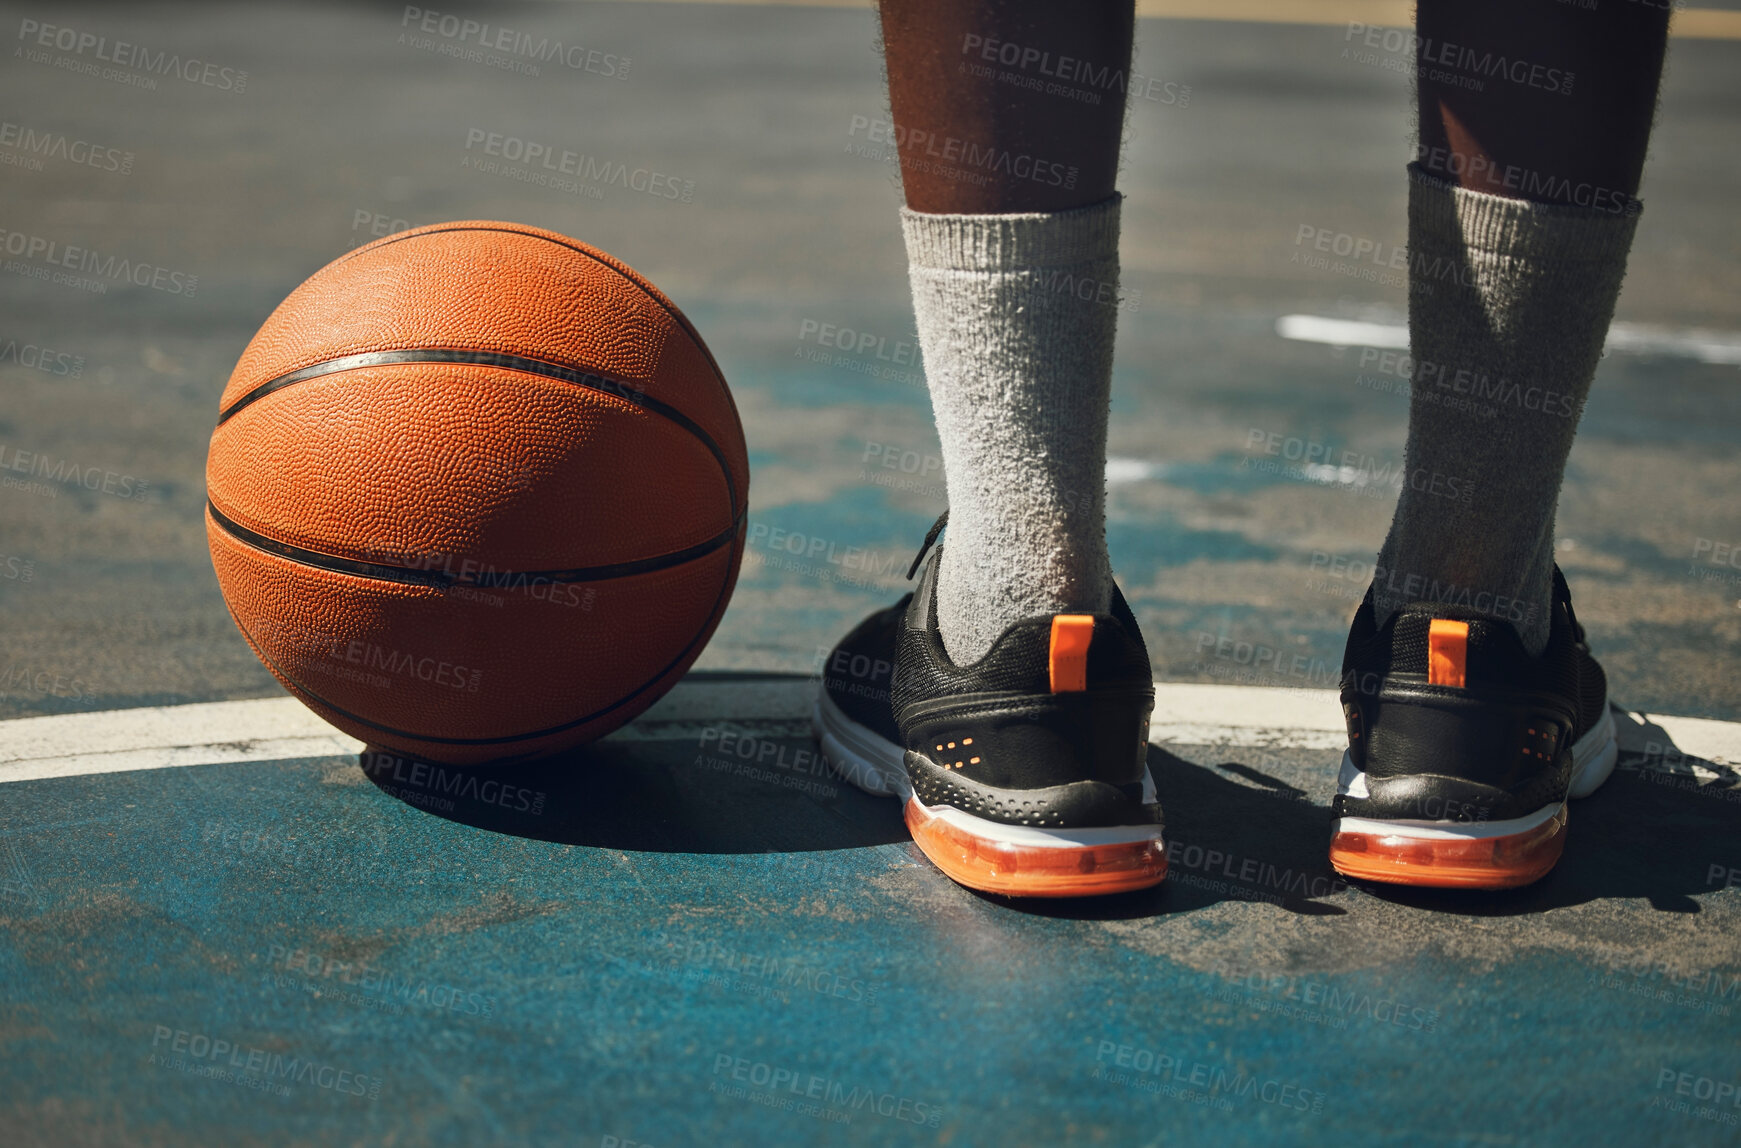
(477, 560)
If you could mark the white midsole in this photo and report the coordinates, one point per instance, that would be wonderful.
(861, 755)
(1593, 758)
(1446, 830)
(1033, 837)
(878, 766)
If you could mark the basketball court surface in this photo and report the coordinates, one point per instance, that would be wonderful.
(224, 924)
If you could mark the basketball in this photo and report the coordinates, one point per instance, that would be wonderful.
(477, 491)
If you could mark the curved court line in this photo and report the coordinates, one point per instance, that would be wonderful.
(281, 728)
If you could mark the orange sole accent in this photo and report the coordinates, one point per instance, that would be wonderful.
(1478, 863)
(1035, 871)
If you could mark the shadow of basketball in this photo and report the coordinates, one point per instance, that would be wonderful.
(744, 783)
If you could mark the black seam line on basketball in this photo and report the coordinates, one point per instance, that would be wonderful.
(633, 276)
(719, 603)
(483, 579)
(591, 380)
(558, 372)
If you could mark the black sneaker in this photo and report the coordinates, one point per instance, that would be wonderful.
(1025, 773)
(1463, 749)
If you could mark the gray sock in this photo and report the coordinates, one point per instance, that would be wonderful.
(1509, 304)
(1016, 316)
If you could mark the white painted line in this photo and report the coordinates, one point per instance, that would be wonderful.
(276, 729)
(1120, 471)
(1342, 332)
(330, 744)
(1703, 346)
(1187, 713)
(160, 737)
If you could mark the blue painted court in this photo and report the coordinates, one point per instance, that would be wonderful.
(693, 933)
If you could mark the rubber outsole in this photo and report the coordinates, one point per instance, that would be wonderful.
(1447, 854)
(991, 863)
(989, 856)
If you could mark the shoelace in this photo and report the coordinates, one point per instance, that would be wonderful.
(1561, 591)
(930, 540)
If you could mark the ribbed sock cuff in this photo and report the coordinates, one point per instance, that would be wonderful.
(1442, 214)
(1012, 242)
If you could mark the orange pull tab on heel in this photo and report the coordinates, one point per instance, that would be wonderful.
(1071, 634)
(1447, 653)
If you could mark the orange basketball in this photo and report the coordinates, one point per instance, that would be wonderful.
(477, 491)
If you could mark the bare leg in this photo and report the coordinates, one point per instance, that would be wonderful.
(936, 51)
(1595, 136)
